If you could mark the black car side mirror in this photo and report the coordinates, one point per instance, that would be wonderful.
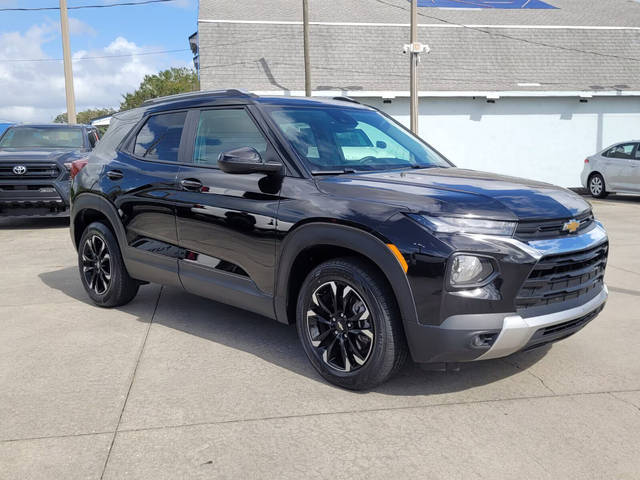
(246, 160)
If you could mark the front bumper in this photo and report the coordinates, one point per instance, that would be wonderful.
(485, 328)
(34, 198)
(524, 333)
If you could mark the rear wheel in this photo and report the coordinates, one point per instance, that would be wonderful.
(349, 324)
(596, 186)
(102, 269)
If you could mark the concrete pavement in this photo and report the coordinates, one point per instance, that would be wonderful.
(175, 386)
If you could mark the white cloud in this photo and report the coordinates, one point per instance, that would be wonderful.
(34, 91)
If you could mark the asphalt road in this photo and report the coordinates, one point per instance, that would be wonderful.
(175, 386)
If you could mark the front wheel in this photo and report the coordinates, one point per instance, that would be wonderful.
(102, 269)
(596, 186)
(349, 324)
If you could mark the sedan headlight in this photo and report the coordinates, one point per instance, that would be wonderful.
(466, 225)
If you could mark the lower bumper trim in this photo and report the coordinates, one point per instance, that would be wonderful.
(517, 333)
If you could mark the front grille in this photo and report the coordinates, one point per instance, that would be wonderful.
(537, 230)
(34, 170)
(564, 277)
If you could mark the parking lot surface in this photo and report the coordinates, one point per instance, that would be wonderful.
(175, 386)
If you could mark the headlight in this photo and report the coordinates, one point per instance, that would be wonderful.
(466, 225)
(469, 270)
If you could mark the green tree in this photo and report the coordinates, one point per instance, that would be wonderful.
(86, 115)
(167, 82)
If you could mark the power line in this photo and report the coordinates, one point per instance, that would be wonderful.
(157, 52)
(78, 7)
(509, 37)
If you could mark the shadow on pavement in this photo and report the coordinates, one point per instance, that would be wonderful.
(278, 344)
(32, 223)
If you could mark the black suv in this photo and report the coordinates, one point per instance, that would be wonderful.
(35, 165)
(329, 215)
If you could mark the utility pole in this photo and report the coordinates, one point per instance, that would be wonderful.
(414, 49)
(68, 71)
(414, 58)
(307, 63)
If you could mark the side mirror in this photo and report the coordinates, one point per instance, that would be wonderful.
(246, 160)
(381, 144)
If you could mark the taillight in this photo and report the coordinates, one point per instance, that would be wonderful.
(76, 166)
(586, 160)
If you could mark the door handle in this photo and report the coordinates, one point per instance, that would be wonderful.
(115, 174)
(191, 184)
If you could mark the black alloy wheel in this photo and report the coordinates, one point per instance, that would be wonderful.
(349, 324)
(102, 270)
(96, 264)
(339, 326)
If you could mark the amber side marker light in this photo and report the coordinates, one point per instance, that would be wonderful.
(399, 257)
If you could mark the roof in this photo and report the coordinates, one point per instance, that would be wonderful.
(356, 47)
(232, 97)
(567, 12)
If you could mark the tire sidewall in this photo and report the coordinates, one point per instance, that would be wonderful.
(355, 280)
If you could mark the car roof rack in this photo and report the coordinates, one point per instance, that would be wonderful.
(231, 92)
(346, 99)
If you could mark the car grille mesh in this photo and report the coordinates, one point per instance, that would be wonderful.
(564, 277)
(34, 170)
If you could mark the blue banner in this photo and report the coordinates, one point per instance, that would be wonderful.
(504, 4)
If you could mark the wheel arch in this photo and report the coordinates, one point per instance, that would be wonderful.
(89, 207)
(313, 243)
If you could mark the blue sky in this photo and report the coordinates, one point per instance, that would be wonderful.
(33, 91)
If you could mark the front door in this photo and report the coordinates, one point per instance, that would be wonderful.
(618, 164)
(226, 222)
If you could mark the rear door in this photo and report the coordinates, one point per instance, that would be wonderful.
(226, 223)
(142, 182)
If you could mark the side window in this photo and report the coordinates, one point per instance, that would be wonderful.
(637, 155)
(159, 138)
(621, 151)
(385, 146)
(222, 130)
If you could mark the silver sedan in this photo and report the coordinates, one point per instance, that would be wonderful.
(616, 169)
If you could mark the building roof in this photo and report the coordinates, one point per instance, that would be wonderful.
(356, 47)
(567, 12)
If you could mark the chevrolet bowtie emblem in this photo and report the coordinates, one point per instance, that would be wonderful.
(571, 226)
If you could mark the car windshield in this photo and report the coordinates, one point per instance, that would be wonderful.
(333, 139)
(39, 137)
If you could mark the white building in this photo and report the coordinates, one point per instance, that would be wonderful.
(523, 91)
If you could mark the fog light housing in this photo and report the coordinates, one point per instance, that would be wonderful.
(469, 270)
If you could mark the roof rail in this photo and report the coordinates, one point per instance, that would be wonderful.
(232, 92)
(347, 99)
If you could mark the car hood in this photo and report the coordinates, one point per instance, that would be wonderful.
(456, 191)
(14, 155)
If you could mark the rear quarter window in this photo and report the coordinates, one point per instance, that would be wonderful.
(159, 138)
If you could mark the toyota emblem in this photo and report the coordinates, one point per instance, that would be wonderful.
(19, 169)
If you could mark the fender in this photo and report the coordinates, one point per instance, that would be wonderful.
(364, 243)
(84, 201)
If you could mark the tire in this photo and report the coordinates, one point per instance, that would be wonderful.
(102, 269)
(596, 186)
(374, 343)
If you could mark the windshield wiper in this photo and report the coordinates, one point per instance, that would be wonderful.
(334, 172)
